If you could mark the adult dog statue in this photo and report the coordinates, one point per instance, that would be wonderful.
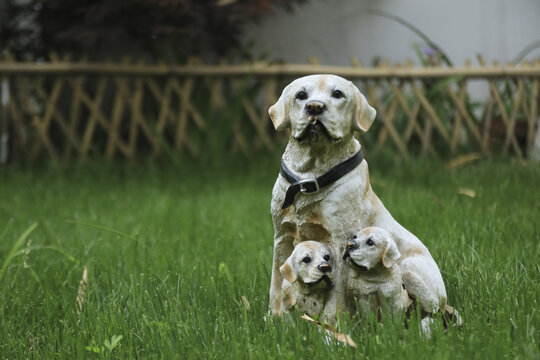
(322, 113)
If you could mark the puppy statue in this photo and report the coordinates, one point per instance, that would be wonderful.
(307, 278)
(374, 279)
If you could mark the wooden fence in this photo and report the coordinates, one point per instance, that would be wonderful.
(62, 109)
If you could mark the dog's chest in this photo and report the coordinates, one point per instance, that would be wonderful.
(368, 295)
(371, 293)
(338, 211)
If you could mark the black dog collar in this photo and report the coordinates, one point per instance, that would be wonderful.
(312, 186)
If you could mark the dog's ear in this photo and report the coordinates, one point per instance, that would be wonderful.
(287, 271)
(279, 112)
(365, 114)
(390, 253)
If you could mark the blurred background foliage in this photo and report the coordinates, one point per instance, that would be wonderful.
(159, 29)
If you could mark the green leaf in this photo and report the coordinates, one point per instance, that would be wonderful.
(224, 272)
(111, 345)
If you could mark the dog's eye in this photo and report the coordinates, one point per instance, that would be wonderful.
(307, 260)
(326, 257)
(338, 94)
(301, 95)
(370, 242)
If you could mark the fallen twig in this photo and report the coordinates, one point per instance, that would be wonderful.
(330, 330)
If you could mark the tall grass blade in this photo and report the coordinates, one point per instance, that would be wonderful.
(15, 247)
(102, 227)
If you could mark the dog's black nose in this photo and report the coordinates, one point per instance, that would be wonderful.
(351, 245)
(325, 268)
(315, 107)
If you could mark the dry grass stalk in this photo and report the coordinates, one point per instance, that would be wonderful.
(246, 303)
(81, 292)
(467, 192)
(463, 160)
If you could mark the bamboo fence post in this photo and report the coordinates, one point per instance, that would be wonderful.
(487, 124)
(4, 119)
(502, 109)
(456, 131)
(15, 115)
(533, 112)
(510, 133)
(77, 83)
(184, 93)
(18, 111)
(460, 105)
(136, 116)
(95, 115)
(138, 112)
(432, 113)
(216, 92)
(42, 124)
(116, 115)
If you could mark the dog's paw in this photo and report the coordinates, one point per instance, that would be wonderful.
(425, 327)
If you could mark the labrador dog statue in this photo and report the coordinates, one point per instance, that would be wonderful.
(323, 191)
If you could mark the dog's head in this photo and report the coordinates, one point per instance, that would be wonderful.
(321, 108)
(310, 263)
(370, 248)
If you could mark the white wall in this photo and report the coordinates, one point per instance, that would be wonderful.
(332, 30)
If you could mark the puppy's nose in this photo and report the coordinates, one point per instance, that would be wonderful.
(315, 107)
(325, 268)
(351, 245)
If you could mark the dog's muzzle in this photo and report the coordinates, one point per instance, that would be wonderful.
(314, 130)
(323, 280)
(347, 257)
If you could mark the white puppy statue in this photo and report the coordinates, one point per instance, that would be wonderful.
(323, 190)
(307, 277)
(374, 281)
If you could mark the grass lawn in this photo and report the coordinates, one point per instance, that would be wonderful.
(172, 251)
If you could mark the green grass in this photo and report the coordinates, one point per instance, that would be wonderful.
(171, 251)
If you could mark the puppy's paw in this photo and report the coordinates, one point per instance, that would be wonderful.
(451, 317)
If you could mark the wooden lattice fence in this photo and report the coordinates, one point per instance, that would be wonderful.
(62, 109)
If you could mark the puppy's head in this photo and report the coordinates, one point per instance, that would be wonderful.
(370, 248)
(321, 108)
(310, 263)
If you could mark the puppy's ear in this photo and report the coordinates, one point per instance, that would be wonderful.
(365, 114)
(279, 112)
(390, 253)
(287, 271)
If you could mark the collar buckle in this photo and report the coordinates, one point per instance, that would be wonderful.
(309, 186)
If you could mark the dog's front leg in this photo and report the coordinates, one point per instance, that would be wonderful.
(283, 247)
(336, 300)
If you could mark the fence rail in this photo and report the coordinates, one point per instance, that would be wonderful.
(62, 109)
